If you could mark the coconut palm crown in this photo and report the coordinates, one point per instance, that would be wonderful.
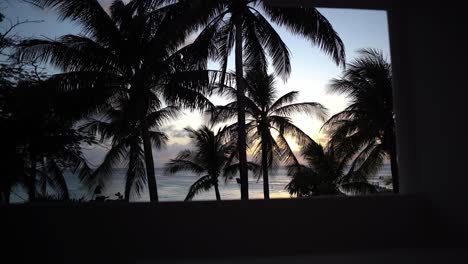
(245, 26)
(269, 121)
(136, 50)
(365, 130)
(212, 157)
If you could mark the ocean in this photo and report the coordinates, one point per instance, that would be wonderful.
(175, 187)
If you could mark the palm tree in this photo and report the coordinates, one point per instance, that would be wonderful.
(267, 113)
(241, 24)
(325, 173)
(46, 140)
(137, 50)
(213, 156)
(120, 127)
(366, 128)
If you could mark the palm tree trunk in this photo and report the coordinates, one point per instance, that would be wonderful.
(394, 165)
(127, 193)
(127, 190)
(218, 196)
(241, 134)
(44, 179)
(152, 186)
(130, 173)
(266, 184)
(32, 177)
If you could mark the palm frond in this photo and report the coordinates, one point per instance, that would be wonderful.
(288, 156)
(309, 108)
(136, 174)
(284, 99)
(80, 94)
(371, 164)
(159, 117)
(357, 188)
(115, 156)
(57, 178)
(104, 130)
(284, 126)
(253, 52)
(273, 43)
(185, 96)
(158, 139)
(225, 44)
(203, 184)
(69, 53)
(303, 181)
(184, 162)
(307, 22)
(223, 113)
(88, 13)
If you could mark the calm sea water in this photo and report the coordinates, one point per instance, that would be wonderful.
(175, 187)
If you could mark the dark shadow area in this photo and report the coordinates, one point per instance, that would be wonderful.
(111, 232)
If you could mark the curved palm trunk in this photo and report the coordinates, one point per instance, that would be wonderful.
(127, 192)
(152, 186)
(215, 184)
(32, 177)
(394, 165)
(241, 134)
(130, 174)
(266, 184)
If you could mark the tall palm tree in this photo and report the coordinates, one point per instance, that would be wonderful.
(120, 127)
(366, 128)
(325, 173)
(212, 157)
(267, 113)
(241, 25)
(136, 49)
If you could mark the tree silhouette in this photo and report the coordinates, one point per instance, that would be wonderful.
(266, 113)
(137, 50)
(366, 128)
(212, 157)
(241, 25)
(123, 130)
(325, 173)
(46, 141)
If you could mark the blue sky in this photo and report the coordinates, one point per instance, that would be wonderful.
(311, 69)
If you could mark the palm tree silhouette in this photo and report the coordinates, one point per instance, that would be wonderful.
(120, 127)
(137, 50)
(266, 113)
(47, 140)
(325, 173)
(366, 128)
(239, 24)
(213, 156)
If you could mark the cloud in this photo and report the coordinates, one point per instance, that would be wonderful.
(174, 132)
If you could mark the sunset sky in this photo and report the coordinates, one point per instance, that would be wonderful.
(311, 69)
